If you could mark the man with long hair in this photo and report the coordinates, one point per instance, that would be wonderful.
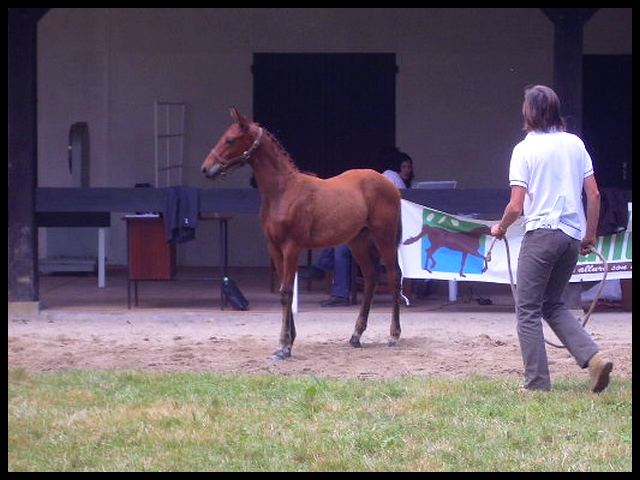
(548, 171)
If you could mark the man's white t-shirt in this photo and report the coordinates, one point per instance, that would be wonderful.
(552, 167)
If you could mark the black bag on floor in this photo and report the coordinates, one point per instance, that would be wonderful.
(232, 294)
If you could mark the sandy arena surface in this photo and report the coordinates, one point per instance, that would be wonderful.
(438, 342)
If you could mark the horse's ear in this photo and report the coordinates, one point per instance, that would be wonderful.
(238, 117)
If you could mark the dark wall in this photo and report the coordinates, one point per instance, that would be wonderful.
(332, 112)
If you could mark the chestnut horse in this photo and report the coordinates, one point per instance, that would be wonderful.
(301, 211)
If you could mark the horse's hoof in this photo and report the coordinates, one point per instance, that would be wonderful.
(355, 342)
(281, 354)
(392, 342)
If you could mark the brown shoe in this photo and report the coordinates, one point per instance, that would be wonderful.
(599, 370)
(522, 390)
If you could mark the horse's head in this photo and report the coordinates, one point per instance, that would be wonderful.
(234, 148)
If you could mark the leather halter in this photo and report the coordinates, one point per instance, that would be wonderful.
(242, 159)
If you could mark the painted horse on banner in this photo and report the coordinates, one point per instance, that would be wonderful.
(467, 243)
(301, 211)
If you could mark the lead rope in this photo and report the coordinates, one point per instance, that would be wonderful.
(513, 285)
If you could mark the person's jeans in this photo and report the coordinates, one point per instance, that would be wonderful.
(545, 264)
(338, 260)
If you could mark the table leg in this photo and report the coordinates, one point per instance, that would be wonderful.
(101, 258)
(223, 258)
(294, 302)
(453, 290)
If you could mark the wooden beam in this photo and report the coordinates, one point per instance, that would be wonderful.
(567, 60)
(22, 150)
(557, 15)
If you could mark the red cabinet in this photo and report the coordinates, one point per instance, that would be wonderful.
(150, 256)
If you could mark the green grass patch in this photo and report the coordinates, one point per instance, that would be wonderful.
(133, 421)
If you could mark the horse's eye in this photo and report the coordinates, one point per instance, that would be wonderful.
(230, 141)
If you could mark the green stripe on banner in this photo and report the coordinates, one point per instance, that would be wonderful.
(604, 248)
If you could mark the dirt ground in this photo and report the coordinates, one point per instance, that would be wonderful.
(438, 342)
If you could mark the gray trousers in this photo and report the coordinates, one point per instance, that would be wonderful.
(545, 264)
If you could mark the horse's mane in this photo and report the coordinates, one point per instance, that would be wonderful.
(287, 156)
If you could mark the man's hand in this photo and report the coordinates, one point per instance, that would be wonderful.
(586, 245)
(497, 231)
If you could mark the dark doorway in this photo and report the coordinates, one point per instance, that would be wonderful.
(606, 124)
(332, 112)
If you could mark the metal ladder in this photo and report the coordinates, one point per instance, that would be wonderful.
(169, 142)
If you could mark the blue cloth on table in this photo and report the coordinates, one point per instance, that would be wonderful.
(181, 213)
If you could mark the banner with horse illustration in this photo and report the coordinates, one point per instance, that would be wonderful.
(442, 246)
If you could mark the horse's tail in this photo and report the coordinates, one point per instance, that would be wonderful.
(399, 269)
(423, 232)
(399, 232)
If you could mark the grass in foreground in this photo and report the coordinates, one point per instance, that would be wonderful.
(132, 421)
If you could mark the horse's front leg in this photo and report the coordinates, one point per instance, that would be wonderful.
(276, 258)
(288, 329)
(430, 256)
(462, 262)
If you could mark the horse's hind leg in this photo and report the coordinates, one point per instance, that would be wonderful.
(389, 253)
(360, 251)
(288, 329)
(475, 254)
(431, 258)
